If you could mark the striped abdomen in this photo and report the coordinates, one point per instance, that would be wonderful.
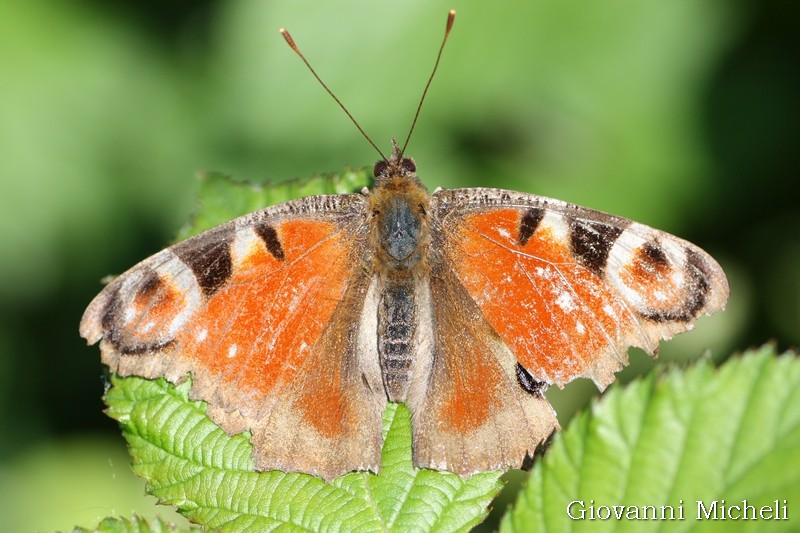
(396, 329)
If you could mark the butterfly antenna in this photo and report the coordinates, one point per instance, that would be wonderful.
(450, 19)
(294, 47)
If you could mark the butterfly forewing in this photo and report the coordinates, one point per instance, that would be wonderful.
(569, 289)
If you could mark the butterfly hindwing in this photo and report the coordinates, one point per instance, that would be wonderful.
(473, 414)
(259, 310)
(567, 288)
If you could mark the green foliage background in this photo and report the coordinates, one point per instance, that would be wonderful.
(680, 114)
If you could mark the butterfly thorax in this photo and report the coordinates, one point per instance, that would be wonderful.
(399, 224)
(399, 206)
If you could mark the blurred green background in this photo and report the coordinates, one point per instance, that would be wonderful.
(683, 115)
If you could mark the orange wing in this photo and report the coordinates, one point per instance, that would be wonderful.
(259, 311)
(525, 292)
(472, 414)
(569, 289)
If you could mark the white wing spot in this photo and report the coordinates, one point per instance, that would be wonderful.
(202, 335)
(232, 350)
(607, 309)
(129, 314)
(504, 232)
(579, 327)
(565, 302)
(545, 273)
(147, 327)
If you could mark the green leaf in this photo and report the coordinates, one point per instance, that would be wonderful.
(135, 524)
(191, 463)
(703, 434)
(222, 198)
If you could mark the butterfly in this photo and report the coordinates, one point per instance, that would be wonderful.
(299, 322)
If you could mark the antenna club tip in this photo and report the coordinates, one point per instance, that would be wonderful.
(451, 17)
(289, 39)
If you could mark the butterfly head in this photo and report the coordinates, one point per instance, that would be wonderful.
(397, 166)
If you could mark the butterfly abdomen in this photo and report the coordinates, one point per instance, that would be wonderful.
(396, 331)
